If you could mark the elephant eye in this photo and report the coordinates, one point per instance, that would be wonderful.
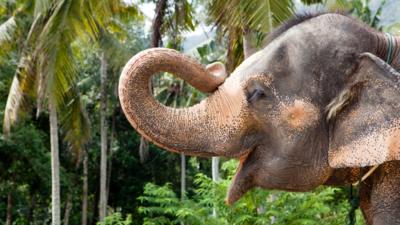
(255, 95)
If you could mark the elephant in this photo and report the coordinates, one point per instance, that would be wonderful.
(318, 105)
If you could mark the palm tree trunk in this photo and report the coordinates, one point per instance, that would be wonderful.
(215, 168)
(92, 219)
(110, 153)
(183, 179)
(143, 150)
(156, 39)
(183, 176)
(158, 22)
(68, 207)
(55, 167)
(85, 189)
(32, 208)
(9, 208)
(215, 175)
(103, 122)
(248, 48)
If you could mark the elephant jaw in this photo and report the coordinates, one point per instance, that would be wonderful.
(242, 181)
(256, 170)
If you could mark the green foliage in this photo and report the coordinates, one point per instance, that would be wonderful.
(24, 171)
(258, 15)
(362, 10)
(160, 205)
(116, 219)
(210, 52)
(64, 39)
(163, 204)
(177, 19)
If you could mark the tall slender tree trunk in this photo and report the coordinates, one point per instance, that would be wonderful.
(143, 150)
(103, 122)
(32, 207)
(92, 219)
(156, 41)
(157, 23)
(248, 48)
(55, 167)
(110, 153)
(85, 189)
(215, 168)
(68, 207)
(183, 176)
(9, 208)
(215, 175)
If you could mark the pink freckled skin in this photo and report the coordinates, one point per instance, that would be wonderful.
(299, 114)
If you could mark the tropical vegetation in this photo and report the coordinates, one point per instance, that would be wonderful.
(67, 153)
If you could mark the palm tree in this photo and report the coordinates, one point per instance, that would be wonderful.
(9, 208)
(110, 47)
(85, 189)
(104, 137)
(246, 23)
(47, 62)
(172, 19)
(156, 41)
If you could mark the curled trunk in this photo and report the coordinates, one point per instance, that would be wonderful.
(204, 129)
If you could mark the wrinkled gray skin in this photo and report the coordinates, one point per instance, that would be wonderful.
(326, 66)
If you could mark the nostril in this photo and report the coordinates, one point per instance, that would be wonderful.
(255, 95)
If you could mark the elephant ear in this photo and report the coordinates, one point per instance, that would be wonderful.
(365, 118)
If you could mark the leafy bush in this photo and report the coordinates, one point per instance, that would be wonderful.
(116, 219)
(325, 205)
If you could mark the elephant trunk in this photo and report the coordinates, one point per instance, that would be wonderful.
(203, 129)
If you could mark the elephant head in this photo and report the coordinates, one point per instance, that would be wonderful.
(314, 99)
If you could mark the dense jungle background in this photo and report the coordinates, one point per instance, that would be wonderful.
(69, 156)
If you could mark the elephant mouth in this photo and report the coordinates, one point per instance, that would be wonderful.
(252, 141)
(242, 180)
(248, 151)
(242, 156)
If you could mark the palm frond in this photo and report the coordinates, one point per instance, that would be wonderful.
(178, 20)
(116, 53)
(81, 20)
(41, 7)
(10, 112)
(49, 42)
(58, 71)
(310, 2)
(106, 9)
(258, 15)
(75, 124)
(24, 81)
(22, 86)
(238, 16)
(57, 65)
(235, 54)
(50, 64)
(7, 33)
